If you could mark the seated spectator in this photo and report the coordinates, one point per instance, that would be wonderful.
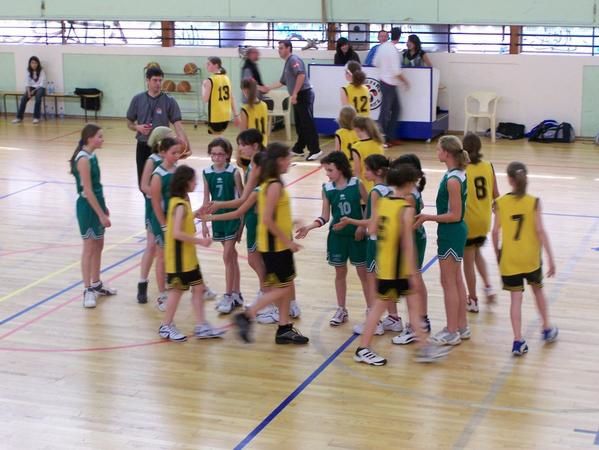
(413, 55)
(35, 87)
(345, 53)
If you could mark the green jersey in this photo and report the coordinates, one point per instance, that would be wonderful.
(165, 180)
(345, 202)
(419, 206)
(221, 184)
(156, 161)
(94, 170)
(383, 190)
(443, 194)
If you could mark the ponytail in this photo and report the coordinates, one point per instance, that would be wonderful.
(358, 77)
(369, 126)
(88, 132)
(518, 173)
(453, 146)
(252, 91)
(218, 62)
(472, 145)
(411, 158)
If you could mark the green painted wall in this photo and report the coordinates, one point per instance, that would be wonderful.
(590, 101)
(8, 81)
(520, 12)
(120, 77)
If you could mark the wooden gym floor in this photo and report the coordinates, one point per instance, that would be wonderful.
(102, 379)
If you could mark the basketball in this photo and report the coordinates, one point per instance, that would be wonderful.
(190, 69)
(152, 64)
(183, 86)
(168, 86)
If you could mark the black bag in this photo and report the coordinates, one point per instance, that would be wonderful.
(510, 130)
(550, 131)
(87, 103)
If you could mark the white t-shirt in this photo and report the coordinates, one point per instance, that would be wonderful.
(41, 81)
(388, 61)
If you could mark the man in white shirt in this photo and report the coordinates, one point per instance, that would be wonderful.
(387, 60)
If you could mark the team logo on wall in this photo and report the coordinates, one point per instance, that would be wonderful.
(374, 87)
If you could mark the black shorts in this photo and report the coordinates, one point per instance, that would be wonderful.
(280, 268)
(183, 280)
(392, 289)
(516, 282)
(143, 152)
(478, 241)
(217, 127)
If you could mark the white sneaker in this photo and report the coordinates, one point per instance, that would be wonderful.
(431, 353)
(258, 295)
(472, 305)
(444, 337)
(207, 331)
(359, 329)
(161, 301)
(238, 299)
(268, 315)
(226, 304)
(390, 323)
(367, 356)
(17, 121)
(490, 294)
(339, 317)
(294, 310)
(465, 333)
(89, 298)
(314, 156)
(171, 333)
(407, 336)
(209, 294)
(35, 121)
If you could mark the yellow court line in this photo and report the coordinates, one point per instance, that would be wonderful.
(64, 269)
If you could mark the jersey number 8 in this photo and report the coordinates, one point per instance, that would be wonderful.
(480, 183)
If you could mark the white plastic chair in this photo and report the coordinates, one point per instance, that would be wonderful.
(487, 108)
(278, 97)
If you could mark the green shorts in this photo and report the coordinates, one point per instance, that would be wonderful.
(451, 240)
(516, 282)
(156, 230)
(420, 244)
(371, 255)
(340, 248)
(225, 230)
(183, 280)
(89, 222)
(148, 214)
(251, 225)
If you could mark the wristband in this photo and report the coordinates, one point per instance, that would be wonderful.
(320, 220)
(163, 227)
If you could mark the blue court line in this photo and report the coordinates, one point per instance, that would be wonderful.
(22, 190)
(68, 288)
(275, 412)
(596, 433)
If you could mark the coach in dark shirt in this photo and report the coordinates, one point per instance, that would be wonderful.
(151, 109)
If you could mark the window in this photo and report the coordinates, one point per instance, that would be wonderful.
(96, 32)
(572, 40)
(479, 39)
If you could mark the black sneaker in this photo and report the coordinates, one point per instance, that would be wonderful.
(142, 292)
(244, 326)
(291, 336)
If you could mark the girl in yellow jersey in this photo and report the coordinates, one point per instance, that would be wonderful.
(370, 143)
(254, 114)
(181, 261)
(518, 222)
(356, 93)
(345, 136)
(275, 243)
(392, 223)
(218, 93)
(481, 186)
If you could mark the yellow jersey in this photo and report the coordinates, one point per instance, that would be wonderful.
(362, 150)
(266, 241)
(179, 256)
(520, 244)
(257, 117)
(219, 104)
(480, 180)
(359, 98)
(346, 138)
(390, 259)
